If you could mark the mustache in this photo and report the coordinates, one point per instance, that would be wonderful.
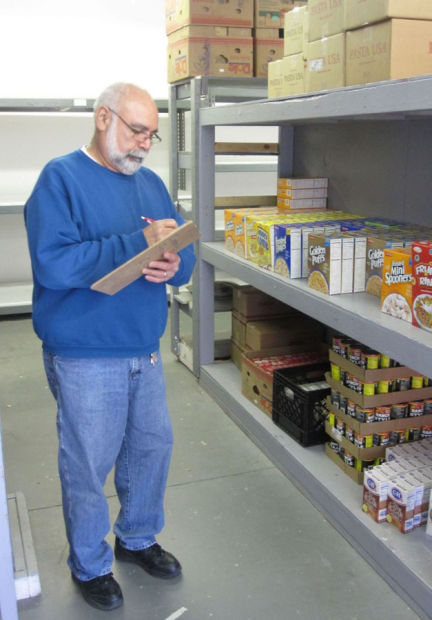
(140, 153)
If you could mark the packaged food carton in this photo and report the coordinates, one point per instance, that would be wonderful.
(296, 31)
(375, 494)
(210, 50)
(422, 284)
(363, 12)
(301, 182)
(287, 250)
(326, 18)
(401, 503)
(180, 13)
(325, 263)
(396, 291)
(376, 244)
(326, 63)
(390, 50)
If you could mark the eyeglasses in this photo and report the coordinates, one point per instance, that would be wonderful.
(139, 133)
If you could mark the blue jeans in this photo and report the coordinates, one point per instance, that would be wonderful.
(110, 412)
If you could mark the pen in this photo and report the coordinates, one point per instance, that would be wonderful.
(147, 219)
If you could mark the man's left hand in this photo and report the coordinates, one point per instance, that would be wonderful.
(162, 270)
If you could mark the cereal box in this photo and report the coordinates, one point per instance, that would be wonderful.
(396, 292)
(422, 284)
(376, 243)
(325, 263)
(287, 250)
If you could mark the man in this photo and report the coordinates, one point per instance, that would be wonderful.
(89, 212)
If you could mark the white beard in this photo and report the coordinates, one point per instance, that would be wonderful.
(127, 163)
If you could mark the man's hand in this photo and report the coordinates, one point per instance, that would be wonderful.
(158, 230)
(164, 269)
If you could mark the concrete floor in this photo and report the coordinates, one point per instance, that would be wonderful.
(252, 547)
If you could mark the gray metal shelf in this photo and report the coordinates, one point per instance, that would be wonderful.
(405, 567)
(78, 104)
(403, 561)
(192, 95)
(357, 314)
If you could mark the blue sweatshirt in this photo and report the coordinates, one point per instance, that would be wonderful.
(83, 220)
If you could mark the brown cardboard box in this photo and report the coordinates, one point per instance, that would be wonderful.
(268, 46)
(296, 28)
(326, 18)
(275, 79)
(366, 12)
(210, 50)
(180, 13)
(278, 332)
(326, 63)
(270, 13)
(394, 49)
(287, 76)
(252, 303)
(237, 352)
(357, 476)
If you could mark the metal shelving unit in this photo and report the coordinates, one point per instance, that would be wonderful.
(389, 107)
(192, 96)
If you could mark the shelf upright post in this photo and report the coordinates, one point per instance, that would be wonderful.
(286, 151)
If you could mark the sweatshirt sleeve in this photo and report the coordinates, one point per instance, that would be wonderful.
(61, 258)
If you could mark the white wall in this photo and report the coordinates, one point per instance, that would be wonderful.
(74, 48)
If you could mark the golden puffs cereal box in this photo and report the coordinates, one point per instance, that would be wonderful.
(422, 284)
(396, 289)
(325, 263)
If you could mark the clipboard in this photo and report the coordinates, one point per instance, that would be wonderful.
(131, 270)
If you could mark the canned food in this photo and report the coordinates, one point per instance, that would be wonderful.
(383, 413)
(397, 436)
(344, 347)
(427, 381)
(415, 408)
(334, 446)
(335, 372)
(363, 441)
(355, 354)
(335, 397)
(349, 434)
(427, 405)
(403, 383)
(365, 414)
(365, 465)
(349, 459)
(340, 426)
(381, 439)
(399, 411)
(384, 386)
(351, 408)
(343, 403)
(370, 360)
(414, 434)
(331, 418)
(336, 344)
(369, 389)
(385, 361)
(426, 431)
(417, 381)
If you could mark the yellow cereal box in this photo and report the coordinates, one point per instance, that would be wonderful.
(396, 289)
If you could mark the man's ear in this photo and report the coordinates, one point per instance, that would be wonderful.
(102, 118)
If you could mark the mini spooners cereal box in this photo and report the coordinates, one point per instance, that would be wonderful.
(422, 284)
(396, 291)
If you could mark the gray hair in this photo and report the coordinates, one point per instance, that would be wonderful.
(113, 94)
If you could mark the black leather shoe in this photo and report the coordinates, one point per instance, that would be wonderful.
(155, 560)
(102, 592)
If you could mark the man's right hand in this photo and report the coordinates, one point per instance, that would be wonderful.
(158, 230)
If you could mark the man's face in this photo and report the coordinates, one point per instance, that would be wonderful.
(126, 149)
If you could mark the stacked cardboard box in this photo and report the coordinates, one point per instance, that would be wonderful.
(209, 38)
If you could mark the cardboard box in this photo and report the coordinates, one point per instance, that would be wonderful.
(375, 259)
(422, 284)
(275, 79)
(277, 332)
(268, 47)
(396, 290)
(288, 204)
(302, 182)
(326, 63)
(237, 351)
(375, 494)
(390, 50)
(293, 75)
(296, 31)
(287, 251)
(363, 454)
(353, 473)
(364, 12)
(326, 18)
(258, 368)
(252, 303)
(180, 13)
(270, 13)
(210, 50)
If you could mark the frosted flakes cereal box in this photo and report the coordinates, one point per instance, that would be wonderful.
(396, 290)
(422, 284)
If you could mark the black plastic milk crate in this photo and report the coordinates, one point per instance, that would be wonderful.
(301, 413)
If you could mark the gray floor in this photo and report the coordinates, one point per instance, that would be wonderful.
(252, 547)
